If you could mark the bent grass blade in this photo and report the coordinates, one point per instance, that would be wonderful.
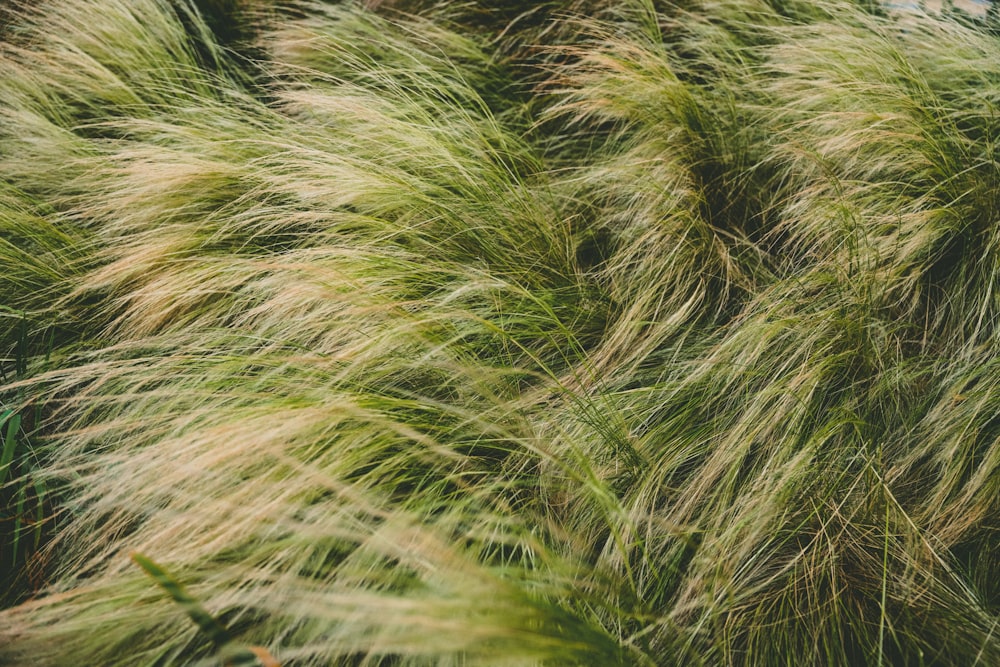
(232, 653)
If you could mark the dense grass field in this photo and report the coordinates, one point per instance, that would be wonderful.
(583, 332)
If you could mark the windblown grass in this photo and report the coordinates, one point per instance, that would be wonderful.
(662, 336)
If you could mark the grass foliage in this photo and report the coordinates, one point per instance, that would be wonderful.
(599, 334)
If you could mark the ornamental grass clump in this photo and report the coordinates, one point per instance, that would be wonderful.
(643, 334)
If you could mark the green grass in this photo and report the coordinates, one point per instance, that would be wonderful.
(603, 334)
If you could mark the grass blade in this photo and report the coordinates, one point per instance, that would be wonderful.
(207, 623)
(232, 654)
(12, 420)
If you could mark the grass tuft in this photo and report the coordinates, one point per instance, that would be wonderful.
(431, 334)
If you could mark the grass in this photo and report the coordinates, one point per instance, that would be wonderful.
(661, 334)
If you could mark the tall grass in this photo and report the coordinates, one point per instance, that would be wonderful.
(664, 335)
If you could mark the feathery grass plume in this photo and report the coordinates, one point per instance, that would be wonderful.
(673, 197)
(40, 253)
(383, 387)
(872, 155)
(336, 297)
(784, 390)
